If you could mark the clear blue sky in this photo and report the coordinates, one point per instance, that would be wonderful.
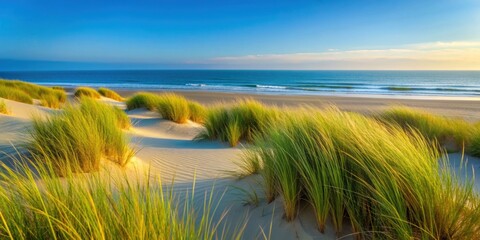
(357, 34)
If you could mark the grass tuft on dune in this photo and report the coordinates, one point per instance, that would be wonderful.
(381, 178)
(58, 88)
(434, 127)
(26, 92)
(474, 147)
(3, 108)
(108, 93)
(197, 111)
(171, 106)
(81, 92)
(143, 100)
(33, 205)
(240, 121)
(15, 95)
(79, 137)
(174, 107)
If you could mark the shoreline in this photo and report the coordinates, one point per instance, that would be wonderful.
(462, 107)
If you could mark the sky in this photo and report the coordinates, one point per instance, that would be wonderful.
(225, 34)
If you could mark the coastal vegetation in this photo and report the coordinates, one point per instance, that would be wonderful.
(25, 92)
(143, 100)
(108, 93)
(3, 108)
(170, 106)
(81, 92)
(242, 120)
(58, 88)
(382, 179)
(198, 112)
(173, 107)
(78, 138)
(33, 205)
(15, 95)
(455, 134)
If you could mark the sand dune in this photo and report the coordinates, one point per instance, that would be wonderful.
(168, 151)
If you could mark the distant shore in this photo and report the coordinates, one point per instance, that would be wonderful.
(458, 107)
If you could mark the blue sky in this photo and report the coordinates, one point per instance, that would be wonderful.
(366, 34)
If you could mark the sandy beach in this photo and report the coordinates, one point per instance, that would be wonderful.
(457, 107)
(167, 150)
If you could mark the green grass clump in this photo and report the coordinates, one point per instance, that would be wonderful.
(48, 97)
(241, 121)
(15, 95)
(58, 88)
(434, 127)
(3, 108)
(81, 92)
(381, 178)
(38, 206)
(171, 106)
(108, 93)
(143, 100)
(79, 137)
(174, 107)
(474, 147)
(197, 111)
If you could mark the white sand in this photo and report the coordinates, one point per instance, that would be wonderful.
(168, 151)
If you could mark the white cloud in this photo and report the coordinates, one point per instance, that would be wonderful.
(435, 55)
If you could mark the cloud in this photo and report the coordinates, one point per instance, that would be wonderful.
(460, 55)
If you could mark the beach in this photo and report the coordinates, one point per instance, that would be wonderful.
(456, 107)
(209, 169)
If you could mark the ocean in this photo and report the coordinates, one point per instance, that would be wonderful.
(430, 83)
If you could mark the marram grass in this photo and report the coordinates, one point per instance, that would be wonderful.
(474, 147)
(15, 95)
(197, 111)
(108, 93)
(173, 107)
(242, 120)
(33, 205)
(382, 179)
(170, 106)
(143, 100)
(78, 138)
(434, 127)
(3, 108)
(81, 92)
(25, 92)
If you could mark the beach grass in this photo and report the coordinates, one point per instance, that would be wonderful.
(173, 107)
(58, 88)
(239, 121)
(143, 100)
(79, 137)
(170, 106)
(15, 95)
(108, 93)
(381, 178)
(197, 111)
(81, 92)
(434, 127)
(48, 97)
(474, 147)
(33, 205)
(3, 108)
